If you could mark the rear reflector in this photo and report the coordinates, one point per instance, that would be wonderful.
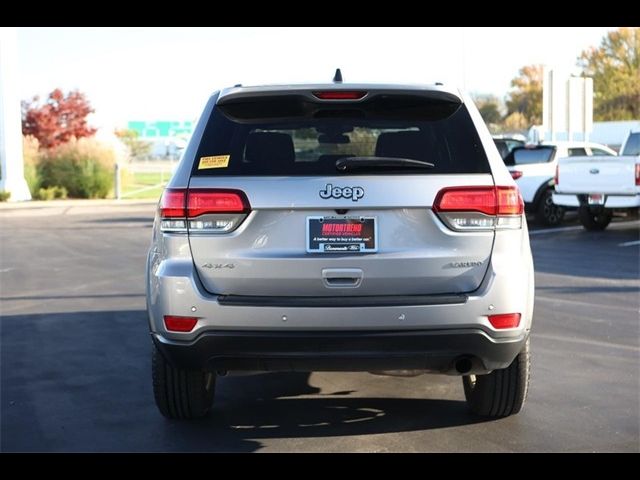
(556, 178)
(637, 173)
(505, 320)
(179, 324)
(339, 95)
(515, 174)
(200, 202)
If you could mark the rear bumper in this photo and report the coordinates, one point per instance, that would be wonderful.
(437, 351)
(612, 201)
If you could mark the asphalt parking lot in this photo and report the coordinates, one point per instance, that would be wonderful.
(75, 367)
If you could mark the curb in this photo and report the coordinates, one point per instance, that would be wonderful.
(74, 207)
(37, 204)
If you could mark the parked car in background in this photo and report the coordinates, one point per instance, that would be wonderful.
(505, 144)
(533, 168)
(600, 185)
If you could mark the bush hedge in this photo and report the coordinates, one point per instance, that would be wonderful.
(83, 167)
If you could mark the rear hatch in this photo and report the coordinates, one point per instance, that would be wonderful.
(598, 174)
(315, 224)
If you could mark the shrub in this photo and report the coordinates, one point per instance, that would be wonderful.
(4, 196)
(50, 193)
(83, 167)
(31, 156)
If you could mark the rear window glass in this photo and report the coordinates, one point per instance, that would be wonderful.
(577, 152)
(291, 137)
(632, 147)
(523, 156)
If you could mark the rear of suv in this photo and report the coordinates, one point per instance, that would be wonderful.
(340, 227)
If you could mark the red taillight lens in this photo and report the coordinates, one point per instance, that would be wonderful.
(467, 199)
(175, 323)
(200, 202)
(505, 320)
(173, 203)
(340, 95)
(515, 174)
(480, 208)
(637, 173)
(487, 200)
(556, 178)
(225, 210)
(509, 201)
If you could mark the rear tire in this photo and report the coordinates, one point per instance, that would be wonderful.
(180, 393)
(594, 221)
(502, 392)
(548, 213)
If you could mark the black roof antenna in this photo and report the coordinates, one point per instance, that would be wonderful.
(337, 78)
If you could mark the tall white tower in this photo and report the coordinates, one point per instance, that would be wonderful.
(11, 160)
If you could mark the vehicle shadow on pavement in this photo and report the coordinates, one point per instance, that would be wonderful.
(261, 406)
(81, 381)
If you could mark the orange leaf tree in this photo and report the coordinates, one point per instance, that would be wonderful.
(57, 120)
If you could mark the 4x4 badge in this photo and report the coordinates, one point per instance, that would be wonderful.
(354, 193)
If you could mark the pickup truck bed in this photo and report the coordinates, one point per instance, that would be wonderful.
(597, 186)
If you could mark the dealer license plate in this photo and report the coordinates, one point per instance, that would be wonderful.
(341, 234)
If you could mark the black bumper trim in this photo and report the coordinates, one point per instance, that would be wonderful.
(433, 350)
(340, 302)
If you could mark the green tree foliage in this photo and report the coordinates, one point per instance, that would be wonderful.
(490, 108)
(615, 68)
(525, 96)
(490, 113)
(138, 149)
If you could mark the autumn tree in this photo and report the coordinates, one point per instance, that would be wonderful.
(59, 119)
(615, 68)
(490, 108)
(525, 96)
(138, 148)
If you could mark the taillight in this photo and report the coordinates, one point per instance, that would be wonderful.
(175, 323)
(637, 173)
(172, 203)
(480, 208)
(200, 202)
(202, 210)
(556, 178)
(515, 174)
(505, 320)
(340, 95)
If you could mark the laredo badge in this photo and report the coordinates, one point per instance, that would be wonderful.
(217, 161)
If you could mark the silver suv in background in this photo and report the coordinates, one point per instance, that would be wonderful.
(340, 227)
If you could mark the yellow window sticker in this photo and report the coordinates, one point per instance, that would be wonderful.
(217, 161)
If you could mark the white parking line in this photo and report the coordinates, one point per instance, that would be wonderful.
(629, 244)
(541, 298)
(553, 230)
(579, 227)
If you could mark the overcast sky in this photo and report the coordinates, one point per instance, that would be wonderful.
(168, 73)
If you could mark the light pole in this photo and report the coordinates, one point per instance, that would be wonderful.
(11, 160)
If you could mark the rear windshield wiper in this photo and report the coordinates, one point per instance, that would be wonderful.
(373, 163)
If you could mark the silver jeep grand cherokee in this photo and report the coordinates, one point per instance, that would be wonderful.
(340, 227)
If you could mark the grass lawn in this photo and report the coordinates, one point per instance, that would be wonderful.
(136, 184)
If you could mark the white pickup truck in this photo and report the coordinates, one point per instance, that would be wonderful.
(600, 185)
